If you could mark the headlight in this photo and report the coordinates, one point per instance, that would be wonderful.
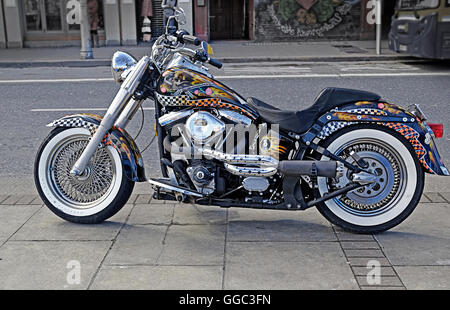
(120, 64)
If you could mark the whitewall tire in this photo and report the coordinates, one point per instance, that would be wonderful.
(385, 203)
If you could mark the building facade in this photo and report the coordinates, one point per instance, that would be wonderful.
(54, 23)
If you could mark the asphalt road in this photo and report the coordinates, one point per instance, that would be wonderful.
(31, 98)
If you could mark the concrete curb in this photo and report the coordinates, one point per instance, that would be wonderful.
(107, 62)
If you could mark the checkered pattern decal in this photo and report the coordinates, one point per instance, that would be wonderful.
(366, 111)
(331, 127)
(184, 100)
(75, 122)
(413, 137)
(172, 100)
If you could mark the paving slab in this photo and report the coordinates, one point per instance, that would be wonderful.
(364, 253)
(364, 261)
(45, 225)
(159, 278)
(423, 239)
(47, 265)
(347, 236)
(198, 214)
(12, 199)
(153, 213)
(194, 245)
(384, 281)
(425, 277)
(12, 217)
(446, 196)
(272, 225)
(383, 288)
(3, 198)
(143, 198)
(435, 197)
(37, 201)
(363, 271)
(137, 244)
(287, 265)
(360, 245)
(424, 199)
(26, 199)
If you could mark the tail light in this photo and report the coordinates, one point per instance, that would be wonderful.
(438, 129)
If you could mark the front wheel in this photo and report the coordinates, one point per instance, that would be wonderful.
(384, 203)
(99, 193)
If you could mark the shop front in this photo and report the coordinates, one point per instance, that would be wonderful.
(287, 20)
(56, 23)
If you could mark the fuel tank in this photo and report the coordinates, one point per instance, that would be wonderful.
(185, 87)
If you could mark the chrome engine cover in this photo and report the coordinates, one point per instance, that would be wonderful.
(202, 125)
(202, 176)
(255, 184)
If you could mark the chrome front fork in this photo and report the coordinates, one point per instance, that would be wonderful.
(119, 113)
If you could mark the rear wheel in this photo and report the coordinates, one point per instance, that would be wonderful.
(384, 203)
(99, 193)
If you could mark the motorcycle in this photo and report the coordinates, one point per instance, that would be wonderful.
(356, 157)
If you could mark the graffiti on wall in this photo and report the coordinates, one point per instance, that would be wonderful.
(304, 18)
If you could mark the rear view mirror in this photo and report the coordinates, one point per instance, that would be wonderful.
(207, 49)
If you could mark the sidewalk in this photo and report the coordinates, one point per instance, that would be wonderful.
(156, 245)
(225, 51)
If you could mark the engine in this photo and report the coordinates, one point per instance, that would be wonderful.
(210, 130)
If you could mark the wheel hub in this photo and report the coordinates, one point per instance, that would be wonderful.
(92, 184)
(382, 185)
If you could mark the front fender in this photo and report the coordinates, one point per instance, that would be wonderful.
(117, 137)
(416, 132)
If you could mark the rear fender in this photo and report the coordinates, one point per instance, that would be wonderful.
(118, 138)
(416, 132)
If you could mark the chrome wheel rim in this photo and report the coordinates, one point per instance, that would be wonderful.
(378, 197)
(87, 190)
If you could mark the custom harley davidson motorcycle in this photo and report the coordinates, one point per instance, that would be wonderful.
(357, 158)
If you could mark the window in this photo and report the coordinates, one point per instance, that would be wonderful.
(52, 15)
(419, 4)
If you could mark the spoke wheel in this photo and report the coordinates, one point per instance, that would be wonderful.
(100, 192)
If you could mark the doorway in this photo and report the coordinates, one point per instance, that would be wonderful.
(388, 12)
(228, 19)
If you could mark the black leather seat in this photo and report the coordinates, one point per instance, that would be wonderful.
(301, 121)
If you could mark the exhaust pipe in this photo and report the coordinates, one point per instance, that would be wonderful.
(247, 159)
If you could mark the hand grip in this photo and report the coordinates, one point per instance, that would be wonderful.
(191, 40)
(215, 63)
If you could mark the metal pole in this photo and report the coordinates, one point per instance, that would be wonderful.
(86, 49)
(378, 9)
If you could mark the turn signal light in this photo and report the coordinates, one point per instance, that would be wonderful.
(438, 129)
